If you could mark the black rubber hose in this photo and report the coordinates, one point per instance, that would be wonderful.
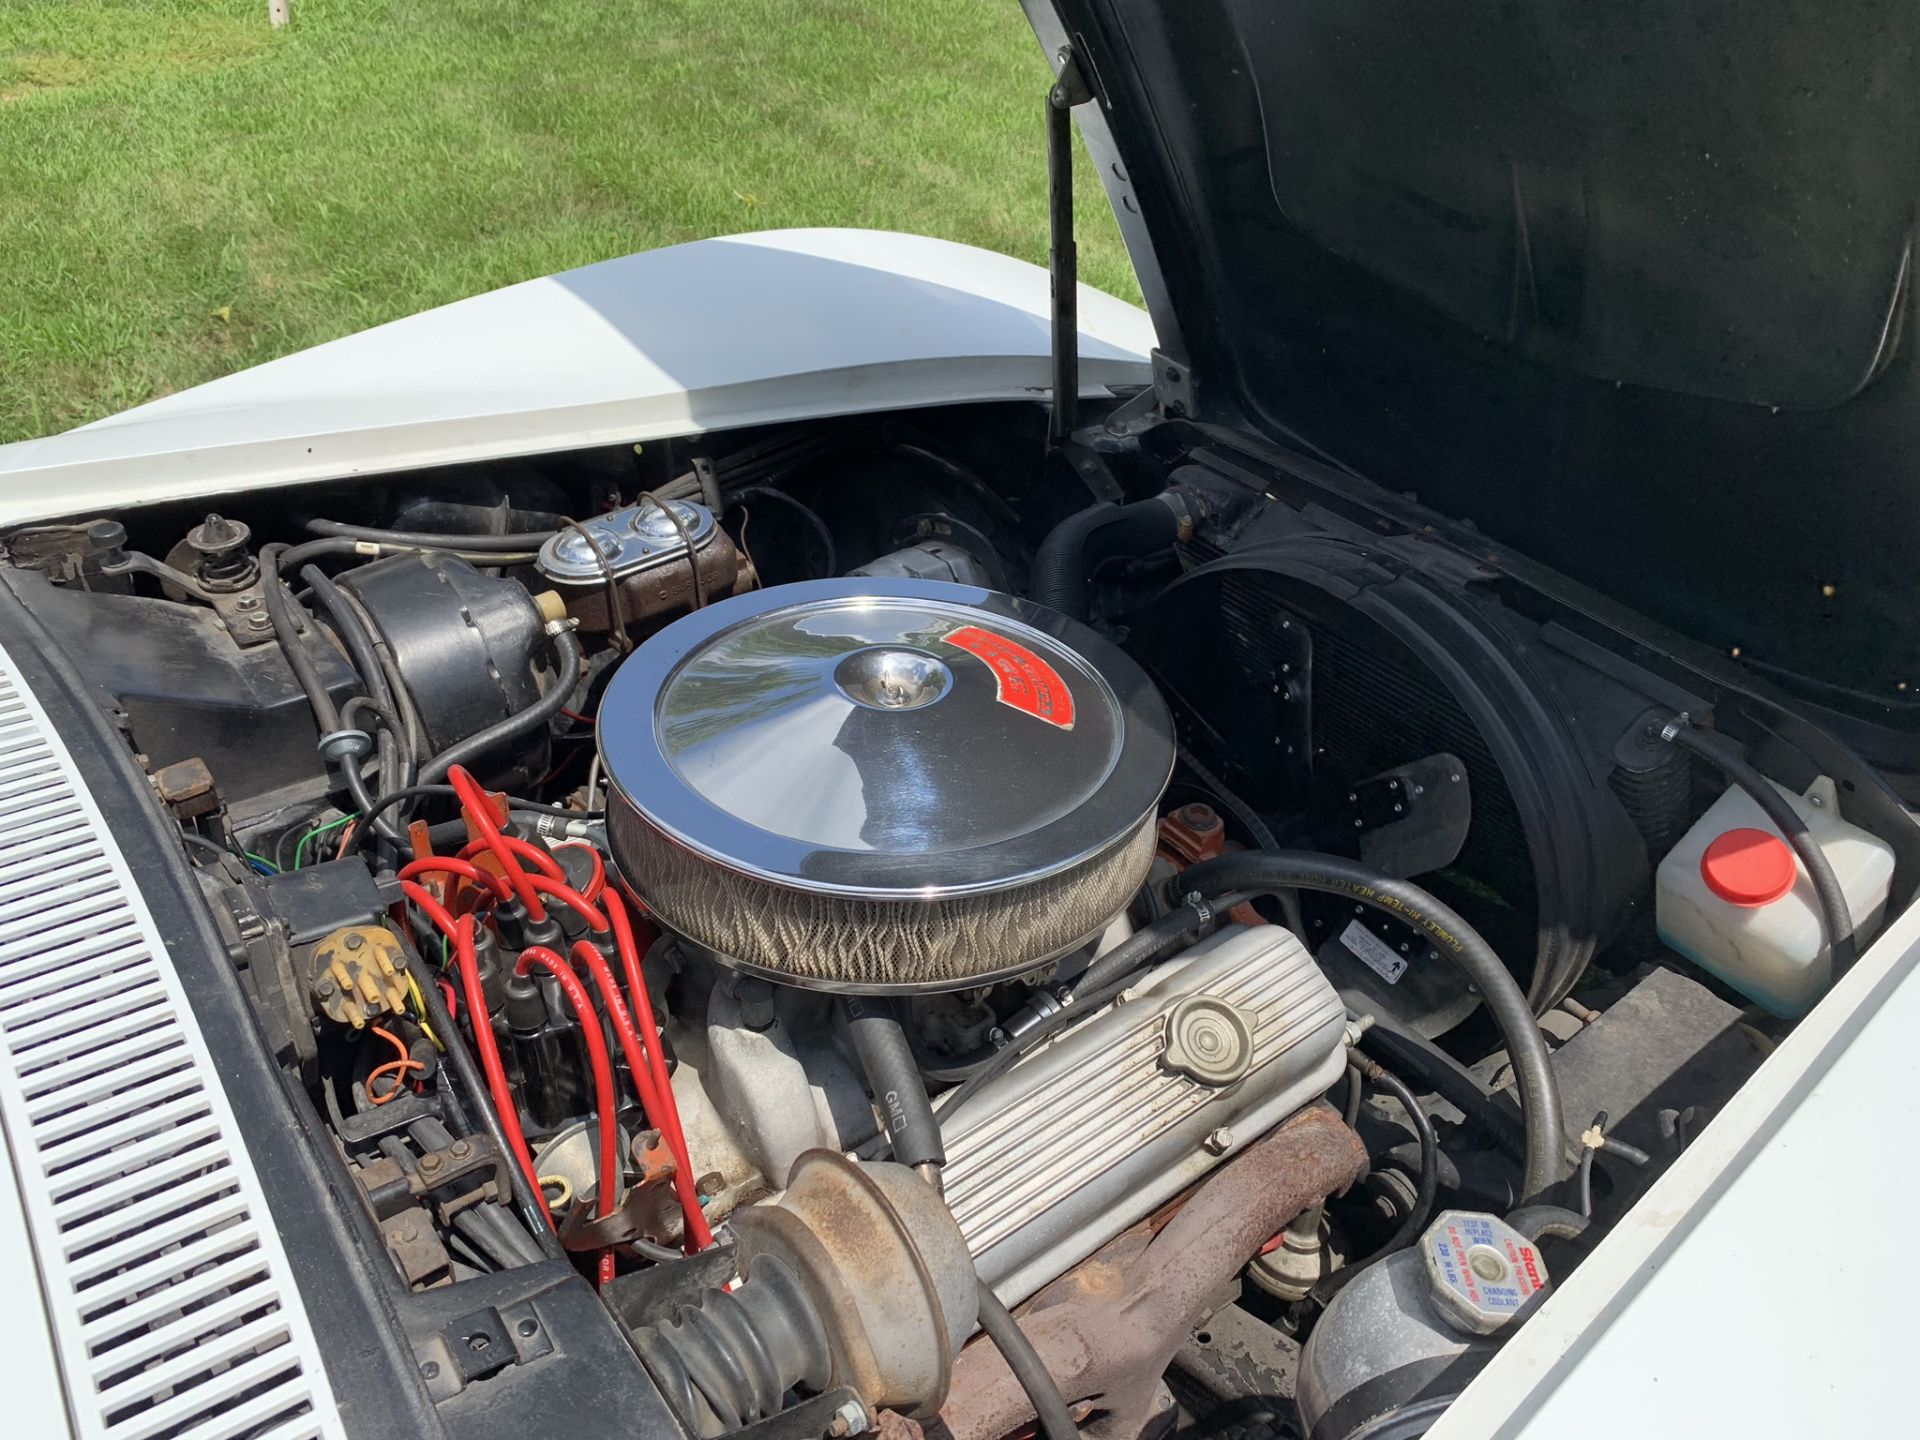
(523, 541)
(360, 648)
(1064, 564)
(491, 1227)
(1105, 976)
(1151, 941)
(1267, 870)
(894, 1078)
(1429, 1184)
(1834, 910)
(280, 608)
(356, 639)
(567, 650)
(1410, 1053)
(1085, 1005)
(1043, 1391)
(461, 1059)
(447, 792)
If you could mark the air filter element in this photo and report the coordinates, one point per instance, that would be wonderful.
(879, 784)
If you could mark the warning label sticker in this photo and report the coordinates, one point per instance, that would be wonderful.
(1373, 952)
(1026, 682)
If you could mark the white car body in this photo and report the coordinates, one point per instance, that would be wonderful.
(1670, 1328)
(716, 334)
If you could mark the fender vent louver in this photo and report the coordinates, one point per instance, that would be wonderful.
(172, 1305)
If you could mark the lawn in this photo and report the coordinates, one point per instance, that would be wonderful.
(185, 192)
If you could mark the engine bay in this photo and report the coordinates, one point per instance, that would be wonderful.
(947, 936)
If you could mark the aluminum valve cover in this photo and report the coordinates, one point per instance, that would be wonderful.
(1106, 1124)
(883, 784)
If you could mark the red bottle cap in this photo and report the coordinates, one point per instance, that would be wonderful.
(1749, 867)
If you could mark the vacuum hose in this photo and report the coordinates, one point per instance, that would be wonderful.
(559, 695)
(1270, 870)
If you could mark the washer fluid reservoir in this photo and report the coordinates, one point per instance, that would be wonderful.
(1733, 897)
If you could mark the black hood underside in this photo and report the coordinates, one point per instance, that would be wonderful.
(1626, 286)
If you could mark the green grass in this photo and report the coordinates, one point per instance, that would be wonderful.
(185, 192)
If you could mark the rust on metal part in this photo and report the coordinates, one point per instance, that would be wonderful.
(1196, 832)
(1108, 1329)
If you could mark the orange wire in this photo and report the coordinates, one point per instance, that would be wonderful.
(398, 1068)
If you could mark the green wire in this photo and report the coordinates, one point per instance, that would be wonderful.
(261, 860)
(300, 850)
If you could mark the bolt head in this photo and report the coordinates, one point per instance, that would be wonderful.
(1219, 1142)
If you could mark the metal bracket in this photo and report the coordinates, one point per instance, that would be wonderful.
(466, 1157)
(482, 1343)
(1069, 86)
(1172, 385)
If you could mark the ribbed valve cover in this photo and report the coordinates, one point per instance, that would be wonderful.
(879, 784)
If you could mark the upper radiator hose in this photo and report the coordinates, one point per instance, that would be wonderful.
(1081, 543)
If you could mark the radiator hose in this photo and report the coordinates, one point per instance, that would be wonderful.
(1266, 871)
(1080, 544)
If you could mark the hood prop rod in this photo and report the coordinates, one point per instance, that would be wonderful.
(1068, 90)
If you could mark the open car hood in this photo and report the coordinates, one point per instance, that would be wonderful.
(1627, 290)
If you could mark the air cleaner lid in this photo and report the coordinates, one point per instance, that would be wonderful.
(883, 736)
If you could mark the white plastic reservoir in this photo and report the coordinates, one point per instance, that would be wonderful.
(1734, 898)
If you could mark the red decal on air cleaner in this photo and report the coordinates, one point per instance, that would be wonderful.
(1026, 681)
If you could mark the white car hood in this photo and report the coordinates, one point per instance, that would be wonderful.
(745, 330)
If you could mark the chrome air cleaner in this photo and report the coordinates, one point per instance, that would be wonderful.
(883, 784)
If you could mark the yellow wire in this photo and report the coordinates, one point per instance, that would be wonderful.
(420, 1004)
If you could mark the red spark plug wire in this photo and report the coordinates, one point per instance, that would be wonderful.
(543, 863)
(636, 1030)
(461, 932)
(479, 812)
(699, 1236)
(465, 870)
(591, 890)
(605, 1103)
(596, 919)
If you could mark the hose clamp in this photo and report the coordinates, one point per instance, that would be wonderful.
(1203, 911)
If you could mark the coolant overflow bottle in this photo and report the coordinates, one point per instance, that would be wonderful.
(1733, 898)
